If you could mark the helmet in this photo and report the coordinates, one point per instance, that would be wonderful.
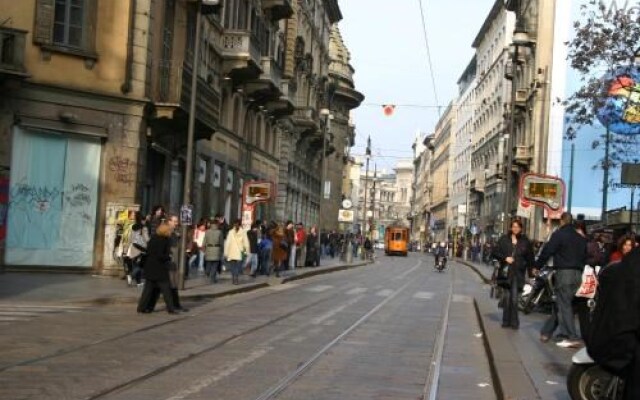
(442, 244)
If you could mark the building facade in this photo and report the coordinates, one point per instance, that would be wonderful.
(103, 89)
(461, 147)
(493, 98)
(440, 173)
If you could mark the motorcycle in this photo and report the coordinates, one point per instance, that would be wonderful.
(539, 293)
(441, 264)
(588, 381)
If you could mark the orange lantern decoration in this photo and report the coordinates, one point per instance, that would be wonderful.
(388, 109)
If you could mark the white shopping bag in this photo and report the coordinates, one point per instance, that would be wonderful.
(589, 283)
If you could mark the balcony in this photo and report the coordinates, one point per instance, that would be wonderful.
(279, 9)
(305, 120)
(268, 86)
(12, 44)
(172, 100)
(523, 156)
(241, 55)
(283, 105)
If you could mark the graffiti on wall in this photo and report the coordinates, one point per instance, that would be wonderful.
(124, 169)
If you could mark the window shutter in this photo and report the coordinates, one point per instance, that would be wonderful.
(91, 21)
(43, 30)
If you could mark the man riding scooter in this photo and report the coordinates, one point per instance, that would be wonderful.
(441, 253)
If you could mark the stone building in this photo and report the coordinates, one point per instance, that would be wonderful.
(532, 75)
(423, 190)
(440, 173)
(102, 89)
(461, 146)
(74, 113)
(493, 96)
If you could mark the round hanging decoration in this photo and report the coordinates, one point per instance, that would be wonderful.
(621, 110)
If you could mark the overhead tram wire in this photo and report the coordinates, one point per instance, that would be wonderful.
(426, 42)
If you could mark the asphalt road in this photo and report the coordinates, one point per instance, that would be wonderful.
(392, 330)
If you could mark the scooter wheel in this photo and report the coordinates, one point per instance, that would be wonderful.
(588, 382)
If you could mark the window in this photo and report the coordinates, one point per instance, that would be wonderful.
(66, 26)
(68, 22)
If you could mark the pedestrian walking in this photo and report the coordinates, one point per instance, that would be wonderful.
(174, 271)
(625, 244)
(290, 235)
(157, 217)
(515, 251)
(301, 242)
(137, 252)
(197, 247)
(280, 249)
(312, 258)
(614, 338)
(569, 251)
(157, 271)
(265, 248)
(252, 257)
(236, 247)
(213, 250)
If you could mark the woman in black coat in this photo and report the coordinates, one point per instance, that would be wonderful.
(515, 250)
(156, 271)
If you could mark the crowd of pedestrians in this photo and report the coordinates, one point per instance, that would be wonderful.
(608, 321)
(150, 252)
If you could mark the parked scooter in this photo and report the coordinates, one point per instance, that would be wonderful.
(539, 293)
(588, 381)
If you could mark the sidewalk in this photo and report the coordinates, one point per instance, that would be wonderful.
(32, 288)
(525, 367)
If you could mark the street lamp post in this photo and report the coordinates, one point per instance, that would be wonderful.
(186, 198)
(325, 113)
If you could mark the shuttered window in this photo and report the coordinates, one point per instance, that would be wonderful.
(66, 25)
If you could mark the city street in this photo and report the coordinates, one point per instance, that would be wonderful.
(371, 332)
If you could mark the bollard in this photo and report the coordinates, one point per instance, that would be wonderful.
(349, 255)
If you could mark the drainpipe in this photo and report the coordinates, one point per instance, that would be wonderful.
(128, 69)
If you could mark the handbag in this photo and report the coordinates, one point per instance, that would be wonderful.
(502, 274)
(589, 283)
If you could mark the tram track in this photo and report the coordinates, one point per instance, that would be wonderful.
(289, 379)
(125, 335)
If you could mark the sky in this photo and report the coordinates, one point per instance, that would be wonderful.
(389, 55)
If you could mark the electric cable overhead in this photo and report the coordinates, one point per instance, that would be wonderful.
(426, 42)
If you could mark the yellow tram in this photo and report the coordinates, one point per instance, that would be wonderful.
(396, 241)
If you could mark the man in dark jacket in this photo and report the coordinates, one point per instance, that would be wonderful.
(614, 339)
(569, 252)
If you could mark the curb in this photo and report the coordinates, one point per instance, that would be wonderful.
(309, 274)
(476, 270)
(104, 301)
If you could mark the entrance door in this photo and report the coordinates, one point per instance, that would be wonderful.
(53, 199)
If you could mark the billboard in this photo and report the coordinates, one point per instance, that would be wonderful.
(623, 96)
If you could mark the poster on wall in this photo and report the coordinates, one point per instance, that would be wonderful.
(202, 170)
(217, 176)
(229, 181)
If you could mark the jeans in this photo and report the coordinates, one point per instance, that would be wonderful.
(212, 268)
(265, 261)
(236, 267)
(252, 259)
(292, 258)
(510, 310)
(199, 256)
(567, 283)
